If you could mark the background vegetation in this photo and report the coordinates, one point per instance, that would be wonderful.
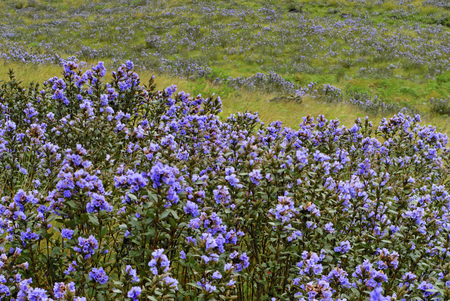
(395, 50)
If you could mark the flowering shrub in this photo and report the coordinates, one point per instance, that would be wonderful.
(115, 191)
(439, 106)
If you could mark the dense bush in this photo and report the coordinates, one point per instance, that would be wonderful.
(376, 106)
(114, 191)
(440, 106)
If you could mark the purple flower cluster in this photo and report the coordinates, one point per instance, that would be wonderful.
(193, 204)
(159, 263)
(60, 289)
(98, 275)
(87, 246)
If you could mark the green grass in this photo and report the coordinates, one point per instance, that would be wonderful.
(234, 101)
(137, 20)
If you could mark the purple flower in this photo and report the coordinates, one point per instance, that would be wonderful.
(28, 235)
(344, 247)
(71, 268)
(195, 223)
(67, 233)
(99, 69)
(217, 275)
(4, 290)
(129, 65)
(134, 293)
(376, 295)
(171, 282)
(242, 262)
(311, 263)
(98, 275)
(222, 195)
(329, 227)
(408, 278)
(367, 275)
(37, 294)
(191, 208)
(97, 203)
(160, 174)
(233, 180)
(255, 176)
(87, 246)
(426, 288)
(206, 285)
(132, 274)
(60, 289)
(159, 262)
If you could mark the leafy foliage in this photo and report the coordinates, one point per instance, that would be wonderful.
(115, 191)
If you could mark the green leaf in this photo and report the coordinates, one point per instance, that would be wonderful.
(55, 251)
(132, 196)
(174, 214)
(94, 220)
(100, 297)
(152, 196)
(150, 232)
(71, 204)
(172, 222)
(103, 232)
(164, 215)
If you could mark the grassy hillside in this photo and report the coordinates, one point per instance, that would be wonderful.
(396, 50)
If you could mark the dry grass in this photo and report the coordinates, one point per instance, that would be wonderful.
(234, 101)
